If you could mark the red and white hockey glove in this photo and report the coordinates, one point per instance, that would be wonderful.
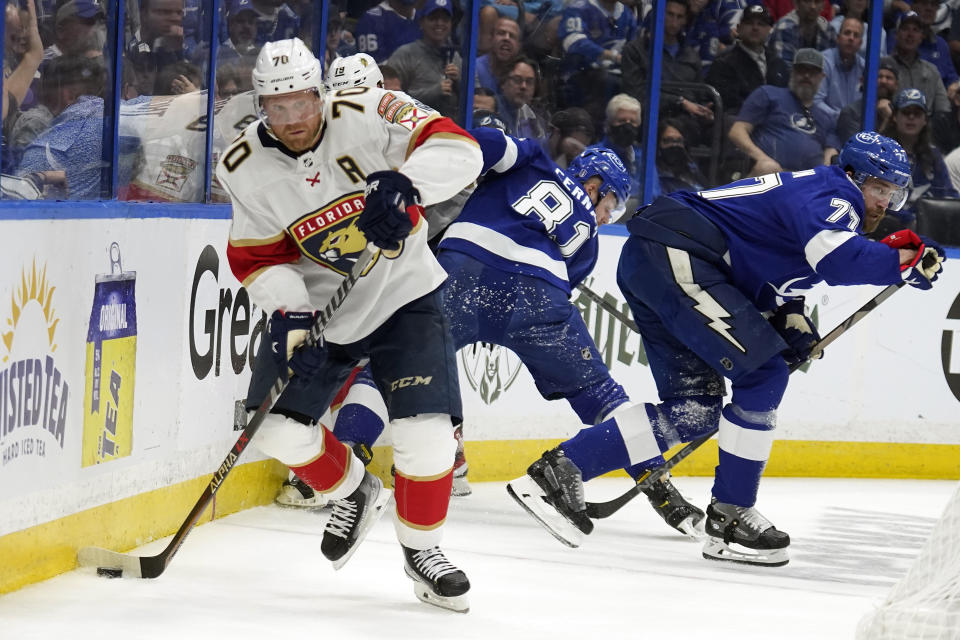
(924, 269)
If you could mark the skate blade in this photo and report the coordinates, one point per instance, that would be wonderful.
(316, 502)
(369, 520)
(528, 495)
(692, 527)
(424, 593)
(717, 549)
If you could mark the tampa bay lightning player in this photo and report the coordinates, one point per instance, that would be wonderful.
(702, 272)
(525, 238)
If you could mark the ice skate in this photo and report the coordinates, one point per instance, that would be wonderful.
(742, 534)
(435, 580)
(352, 518)
(552, 492)
(461, 486)
(296, 493)
(675, 510)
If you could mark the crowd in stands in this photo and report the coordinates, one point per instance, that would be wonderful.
(750, 86)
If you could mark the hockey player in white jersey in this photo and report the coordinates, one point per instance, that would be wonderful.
(316, 178)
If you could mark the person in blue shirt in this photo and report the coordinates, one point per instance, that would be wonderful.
(715, 282)
(843, 71)
(778, 129)
(933, 48)
(383, 29)
(522, 243)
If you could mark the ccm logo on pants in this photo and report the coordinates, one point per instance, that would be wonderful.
(412, 381)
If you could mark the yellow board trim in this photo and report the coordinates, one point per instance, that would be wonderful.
(49, 549)
(46, 550)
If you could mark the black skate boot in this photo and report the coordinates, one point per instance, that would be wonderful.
(552, 492)
(461, 486)
(675, 510)
(296, 493)
(351, 518)
(436, 580)
(742, 534)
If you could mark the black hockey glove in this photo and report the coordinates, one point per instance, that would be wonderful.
(392, 207)
(288, 331)
(797, 331)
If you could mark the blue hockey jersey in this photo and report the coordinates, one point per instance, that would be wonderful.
(526, 215)
(381, 31)
(782, 233)
(587, 29)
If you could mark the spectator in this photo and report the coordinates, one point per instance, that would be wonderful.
(571, 131)
(946, 127)
(340, 43)
(680, 64)
(933, 48)
(592, 34)
(702, 32)
(161, 42)
(858, 9)
(677, 170)
(802, 28)
(386, 27)
(622, 126)
(67, 157)
(429, 68)
(18, 77)
(178, 78)
(241, 44)
(232, 79)
(776, 127)
(843, 71)
(912, 70)
(780, 8)
(750, 63)
(505, 47)
(391, 79)
(517, 105)
(79, 29)
(275, 21)
(927, 169)
(484, 99)
(850, 121)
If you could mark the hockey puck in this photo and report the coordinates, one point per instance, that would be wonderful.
(107, 572)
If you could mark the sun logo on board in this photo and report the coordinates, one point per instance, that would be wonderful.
(34, 288)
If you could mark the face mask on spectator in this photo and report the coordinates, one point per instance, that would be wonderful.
(674, 157)
(624, 135)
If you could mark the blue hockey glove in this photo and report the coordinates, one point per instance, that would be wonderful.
(288, 331)
(392, 207)
(925, 267)
(797, 331)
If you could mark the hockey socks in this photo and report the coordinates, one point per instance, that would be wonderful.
(622, 440)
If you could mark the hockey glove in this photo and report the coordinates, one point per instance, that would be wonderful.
(797, 331)
(392, 208)
(288, 331)
(925, 267)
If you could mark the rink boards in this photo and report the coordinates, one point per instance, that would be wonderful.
(126, 344)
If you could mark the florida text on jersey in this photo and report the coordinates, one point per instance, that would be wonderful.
(294, 233)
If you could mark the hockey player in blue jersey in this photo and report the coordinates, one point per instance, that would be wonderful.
(715, 281)
(525, 238)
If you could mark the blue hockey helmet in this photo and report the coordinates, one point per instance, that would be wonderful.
(870, 154)
(603, 162)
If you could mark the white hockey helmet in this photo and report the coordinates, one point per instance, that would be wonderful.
(358, 70)
(285, 66)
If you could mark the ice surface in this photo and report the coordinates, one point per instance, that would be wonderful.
(259, 574)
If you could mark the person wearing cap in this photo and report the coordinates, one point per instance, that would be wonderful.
(383, 29)
(912, 69)
(242, 32)
(850, 121)
(79, 30)
(777, 127)
(843, 70)
(910, 127)
(932, 47)
(749, 63)
(802, 28)
(429, 67)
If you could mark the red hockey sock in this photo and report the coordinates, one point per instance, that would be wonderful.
(422, 502)
(326, 471)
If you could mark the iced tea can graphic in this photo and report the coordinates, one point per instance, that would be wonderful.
(111, 366)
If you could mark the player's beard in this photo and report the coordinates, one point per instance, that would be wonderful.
(872, 219)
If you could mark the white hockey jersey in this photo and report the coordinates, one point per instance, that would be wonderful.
(294, 235)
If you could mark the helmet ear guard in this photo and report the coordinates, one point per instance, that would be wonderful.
(869, 154)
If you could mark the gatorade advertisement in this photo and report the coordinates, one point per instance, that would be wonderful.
(111, 366)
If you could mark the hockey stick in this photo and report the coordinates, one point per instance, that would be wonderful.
(109, 563)
(600, 510)
(609, 308)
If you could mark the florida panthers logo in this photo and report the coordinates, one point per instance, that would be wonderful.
(329, 235)
(347, 240)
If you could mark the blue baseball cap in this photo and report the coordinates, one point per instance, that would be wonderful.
(909, 16)
(78, 8)
(237, 6)
(910, 98)
(437, 5)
